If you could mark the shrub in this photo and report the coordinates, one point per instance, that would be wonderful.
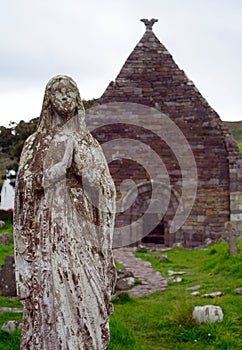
(6, 215)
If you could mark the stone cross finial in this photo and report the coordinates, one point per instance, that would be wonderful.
(149, 23)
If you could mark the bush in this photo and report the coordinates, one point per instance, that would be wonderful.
(6, 215)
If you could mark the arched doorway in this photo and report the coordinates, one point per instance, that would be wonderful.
(155, 221)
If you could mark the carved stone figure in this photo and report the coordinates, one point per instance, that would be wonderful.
(64, 219)
(230, 234)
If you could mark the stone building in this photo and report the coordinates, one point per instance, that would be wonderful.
(150, 77)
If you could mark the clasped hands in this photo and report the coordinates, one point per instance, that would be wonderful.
(57, 172)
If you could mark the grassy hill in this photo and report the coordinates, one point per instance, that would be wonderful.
(236, 130)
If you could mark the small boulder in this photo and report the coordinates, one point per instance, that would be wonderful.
(177, 245)
(238, 290)
(5, 239)
(11, 326)
(196, 294)
(207, 313)
(2, 224)
(163, 257)
(125, 279)
(123, 273)
(141, 248)
(209, 241)
(194, 287)
(176, 279)
(172, 273)
(125, 283)
(213, 295)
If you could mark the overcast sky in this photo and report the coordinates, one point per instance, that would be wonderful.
(90, 41)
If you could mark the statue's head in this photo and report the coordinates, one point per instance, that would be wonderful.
(61, 98)
(64, 97)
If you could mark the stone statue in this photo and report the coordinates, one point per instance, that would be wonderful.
(149, 23)
(64, 220)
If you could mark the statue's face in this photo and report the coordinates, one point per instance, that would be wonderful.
(63, 98)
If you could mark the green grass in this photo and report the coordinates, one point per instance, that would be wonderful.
(164, 320)
(9, 342)
(240, 146)
(236, 130)
(9, 302)
(170, 313)
(118, 265)
(6, 250)
(122, 337)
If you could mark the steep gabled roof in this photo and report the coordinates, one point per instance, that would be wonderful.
(150, 76)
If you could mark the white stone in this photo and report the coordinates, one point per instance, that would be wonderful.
(213, 295)
(176, 279)
(172, 273)
(196, 294)
(194, 287)
(163, 258)
(208, 241)
(236, 217)
(177, 245)
(207, 313)
(11, 326)
(201, 218)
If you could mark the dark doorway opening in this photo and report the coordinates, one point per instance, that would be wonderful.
(155, 235)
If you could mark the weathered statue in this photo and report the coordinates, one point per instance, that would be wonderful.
(64, 219)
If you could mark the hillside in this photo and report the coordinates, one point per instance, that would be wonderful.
(236, 130)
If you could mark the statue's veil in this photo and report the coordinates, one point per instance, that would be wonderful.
(46, 116)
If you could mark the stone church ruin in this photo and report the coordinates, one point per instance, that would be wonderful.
(150, 77)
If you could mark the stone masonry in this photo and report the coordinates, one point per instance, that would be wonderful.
(150, 77)
(7, 277)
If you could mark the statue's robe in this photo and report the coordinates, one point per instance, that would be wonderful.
(63, 225)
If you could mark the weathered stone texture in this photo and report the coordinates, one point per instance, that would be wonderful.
(11, 326)
(232, 230)
(7, 277)
(63, 227)
(5, 238)
(207, 313)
